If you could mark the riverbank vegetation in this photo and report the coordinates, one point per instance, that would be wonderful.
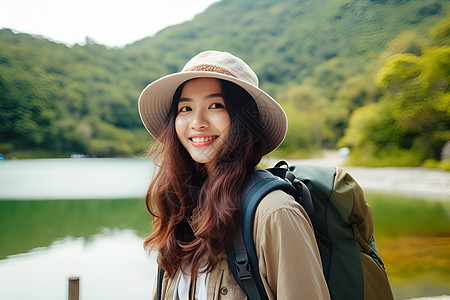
(369, 75)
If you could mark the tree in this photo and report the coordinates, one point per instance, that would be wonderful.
(413, 115)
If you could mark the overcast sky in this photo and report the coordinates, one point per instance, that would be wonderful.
(109, 22)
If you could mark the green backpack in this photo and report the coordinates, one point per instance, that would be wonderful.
(343, 226)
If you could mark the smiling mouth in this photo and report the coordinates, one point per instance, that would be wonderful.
(203, 139)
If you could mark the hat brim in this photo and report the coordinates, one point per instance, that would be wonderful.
(156, 99)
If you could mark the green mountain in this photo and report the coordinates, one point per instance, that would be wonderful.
(313, 56)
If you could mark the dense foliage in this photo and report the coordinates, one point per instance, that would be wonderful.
(411, 121)
(57, 100)
(318, 58)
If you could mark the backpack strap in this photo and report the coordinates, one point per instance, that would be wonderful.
(241, 255)
(240, 266)
(159, 283)
(303, 195)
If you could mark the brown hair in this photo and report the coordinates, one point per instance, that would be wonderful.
(195, 215)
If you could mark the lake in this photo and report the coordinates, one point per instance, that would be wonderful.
(98, 235)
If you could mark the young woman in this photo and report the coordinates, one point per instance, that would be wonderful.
(213, 125)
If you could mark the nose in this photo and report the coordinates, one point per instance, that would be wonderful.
(199, 121)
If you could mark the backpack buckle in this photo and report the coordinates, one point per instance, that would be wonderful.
(244, 269)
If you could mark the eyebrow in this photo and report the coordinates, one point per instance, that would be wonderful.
(210, 96)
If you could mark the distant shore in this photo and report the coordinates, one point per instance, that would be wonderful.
(90, 178)
(411, 182)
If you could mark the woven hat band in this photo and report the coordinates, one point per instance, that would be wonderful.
(210, 68)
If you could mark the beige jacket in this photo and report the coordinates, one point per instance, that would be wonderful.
(288, 256)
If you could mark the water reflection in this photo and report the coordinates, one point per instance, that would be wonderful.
(26, 225)
(42, 243)
(111, 265)
(413, 237)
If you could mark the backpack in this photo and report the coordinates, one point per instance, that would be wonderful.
(343, 226)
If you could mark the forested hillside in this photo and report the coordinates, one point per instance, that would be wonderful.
(318, 58)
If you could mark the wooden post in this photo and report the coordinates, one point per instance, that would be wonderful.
(74, 288)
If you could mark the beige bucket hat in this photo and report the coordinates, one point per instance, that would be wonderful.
(156, 99)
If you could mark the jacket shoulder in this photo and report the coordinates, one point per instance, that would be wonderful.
(275, 201)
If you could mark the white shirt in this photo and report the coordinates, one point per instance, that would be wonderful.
(182, 287)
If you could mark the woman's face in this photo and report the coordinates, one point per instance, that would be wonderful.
(202, 123)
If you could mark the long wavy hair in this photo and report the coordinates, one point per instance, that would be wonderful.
(196, 215)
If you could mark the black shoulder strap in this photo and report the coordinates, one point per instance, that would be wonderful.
(241, 269)
(159, 283)
(242, 258)
(303, 195)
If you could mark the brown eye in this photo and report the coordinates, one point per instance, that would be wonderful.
(184, 109)
(217, 105)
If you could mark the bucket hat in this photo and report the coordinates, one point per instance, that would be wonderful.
(156, 99)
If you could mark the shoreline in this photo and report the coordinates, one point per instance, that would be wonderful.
(93, 178)
(409, 182)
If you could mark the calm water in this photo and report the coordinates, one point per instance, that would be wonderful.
(74, 178)
(43, 243)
